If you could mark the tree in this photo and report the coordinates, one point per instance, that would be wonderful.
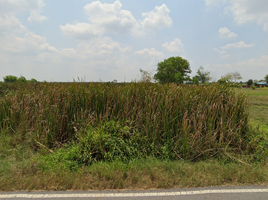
(22, 79)
(249, 82)
(33, 80)
(226, 79)
(172, 70)
(146, 77)
(10, 79)
(266, 78)
(202, 75)
(236, 76)
(195, 79)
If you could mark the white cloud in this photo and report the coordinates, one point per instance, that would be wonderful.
(111, 18)
(226, 33)
(150, 52)
(238, 45)
(81, 30)
(9, 25)
(157, 18)
(220, 51)
(36, 17)
(247, 10)
(174, 46)
(214, 2)
(16, 6)
(104, 18)
(101, 48)
(31, 44)
(244, 11)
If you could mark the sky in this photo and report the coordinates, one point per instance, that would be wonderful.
(66, 40)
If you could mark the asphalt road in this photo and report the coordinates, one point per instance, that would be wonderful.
(208, 193)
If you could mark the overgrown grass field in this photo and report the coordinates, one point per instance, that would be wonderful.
(59, 136)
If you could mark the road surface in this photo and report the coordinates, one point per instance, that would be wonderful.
(208, 193)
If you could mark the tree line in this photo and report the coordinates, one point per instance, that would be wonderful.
(21, 79)
(177, 70)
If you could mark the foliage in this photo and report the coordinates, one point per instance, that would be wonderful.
(202, 75)
(249, 82)
(181, 121)
(253, 87)
(195, 79)
(266, 78)
(172, 70)
(22, 79)
(10, 79)
(33, 80)
(227, 78)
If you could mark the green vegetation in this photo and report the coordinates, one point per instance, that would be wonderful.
(172, 70)
(60, 136)
(13, 79)
(266, 78)
(202, 75)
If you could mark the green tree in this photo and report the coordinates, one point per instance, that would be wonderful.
(33, 80)
(266, 78)
(22, 79)
(10, 79)
(195, 79)
(203, 76)
(172, 70)
(249, 82)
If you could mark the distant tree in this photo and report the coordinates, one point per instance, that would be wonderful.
(203, 76)
(236, 76)
(195, 79)
(33, 80)
(172, 70)
(249, 82)
(10, 79)
(266, 78)
(22, 79)
(146, 76)
(227, 78)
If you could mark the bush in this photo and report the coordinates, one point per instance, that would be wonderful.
(253, 87)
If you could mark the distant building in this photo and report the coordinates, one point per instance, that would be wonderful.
(261, 84)
(114, 81)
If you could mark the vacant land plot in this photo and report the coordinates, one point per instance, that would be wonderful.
(133, 136)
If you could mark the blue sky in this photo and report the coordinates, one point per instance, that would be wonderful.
(105, 40)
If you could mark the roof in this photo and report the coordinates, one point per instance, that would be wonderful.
(261, 83)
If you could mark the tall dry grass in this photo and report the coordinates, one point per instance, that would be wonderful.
(188, 121)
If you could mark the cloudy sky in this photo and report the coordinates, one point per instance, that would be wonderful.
(61, 40)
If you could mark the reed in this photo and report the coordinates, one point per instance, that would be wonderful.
(189, 121)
